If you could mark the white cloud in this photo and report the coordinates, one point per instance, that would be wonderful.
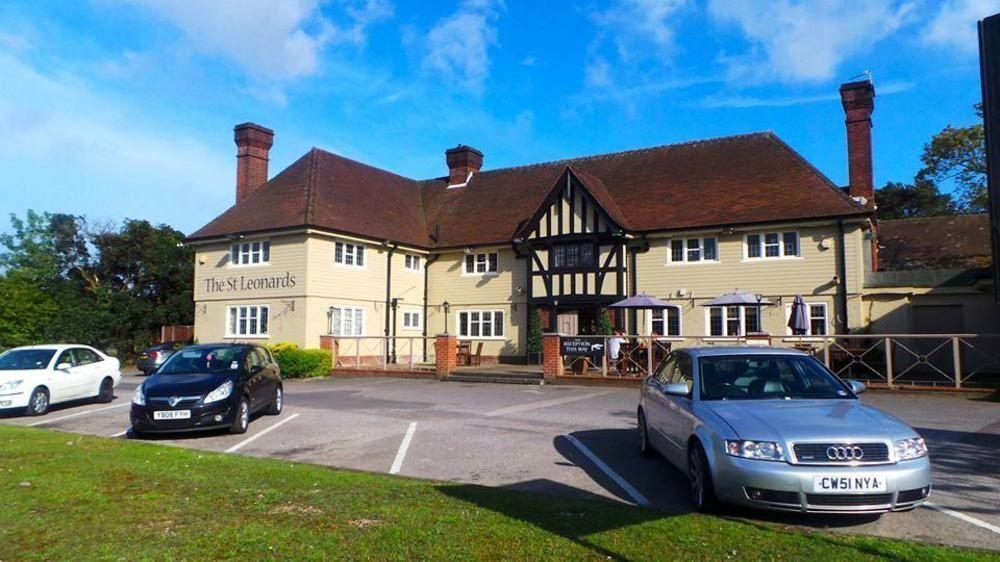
(804, 41)
(65, 146)
(458, 46)
(13, 42)
(270, 40)
(954, 25)
(741, 101)
(635, 24)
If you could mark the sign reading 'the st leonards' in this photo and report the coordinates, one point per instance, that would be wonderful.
(244, 283)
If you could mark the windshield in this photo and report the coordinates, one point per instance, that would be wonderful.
(221, 359)
(767, 377)
(25, 359)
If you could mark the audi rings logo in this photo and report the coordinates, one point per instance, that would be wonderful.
(848, 453)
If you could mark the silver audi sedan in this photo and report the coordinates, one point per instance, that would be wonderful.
(774, 428)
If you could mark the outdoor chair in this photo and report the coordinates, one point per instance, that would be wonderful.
(477, 359)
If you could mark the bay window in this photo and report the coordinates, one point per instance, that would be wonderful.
(570, 256)
(481, 263)
(346, 321)
(818, 319)
(250, 253)
(665, 322)
(345, 253)
(693, 250)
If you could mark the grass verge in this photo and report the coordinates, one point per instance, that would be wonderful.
(67, 496)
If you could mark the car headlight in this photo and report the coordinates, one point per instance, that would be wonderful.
(760, 450)
(139, 397)
(912, 448)
(10, 386)
(221, 393)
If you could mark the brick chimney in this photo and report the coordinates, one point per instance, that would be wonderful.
(858, 99)
(463, 161)
(252, 145)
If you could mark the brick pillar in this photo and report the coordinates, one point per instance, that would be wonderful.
(445, 354)
(552, 361)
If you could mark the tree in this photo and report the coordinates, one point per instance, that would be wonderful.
(920, 199)
(958, 155)
(604, 324)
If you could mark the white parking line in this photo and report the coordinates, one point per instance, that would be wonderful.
(397, 463)
(249, 440)
(624, 485)
(544, 404)
(85, 412)
(120, 433)
(977, 522)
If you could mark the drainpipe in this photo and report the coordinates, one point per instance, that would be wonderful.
(388, 292)
(427, 265)
(842, 274)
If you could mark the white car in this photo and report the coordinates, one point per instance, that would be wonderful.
(37, 376)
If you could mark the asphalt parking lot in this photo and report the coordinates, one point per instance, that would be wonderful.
(564, 440)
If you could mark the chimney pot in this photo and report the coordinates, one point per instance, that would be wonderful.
(253, 144)
(463, 161)
(858, 99)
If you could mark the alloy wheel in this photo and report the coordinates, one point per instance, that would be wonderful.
(244, 415)
(278, 396)
(40, 402)
(697, 476)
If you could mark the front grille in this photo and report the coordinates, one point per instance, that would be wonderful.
(848, 500)
(909, 496)
(772, 496)
(815, 453)
(185, 401)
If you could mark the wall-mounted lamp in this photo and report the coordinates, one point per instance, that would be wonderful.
(202, 259)
(519, 290)
(447, 309)
(470, 250)
(835, 280)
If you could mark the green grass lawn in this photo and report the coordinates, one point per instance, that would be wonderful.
(70, 497)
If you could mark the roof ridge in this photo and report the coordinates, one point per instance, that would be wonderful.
(360, 163)
(311, 189)
(576, 159)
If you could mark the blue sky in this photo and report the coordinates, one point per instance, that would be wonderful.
(125, 108)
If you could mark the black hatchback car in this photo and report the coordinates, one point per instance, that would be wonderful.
(208, 386)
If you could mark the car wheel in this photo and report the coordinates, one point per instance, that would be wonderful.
(645, 449)
(277, 402)
(107, 392)
(38, 404)
(700, 477)
(242, 421)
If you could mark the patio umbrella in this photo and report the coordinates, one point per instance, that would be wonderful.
(798, 321)
(737, 298)
(640, 301)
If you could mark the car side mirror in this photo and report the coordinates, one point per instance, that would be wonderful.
(677, 389)
(857, 387)
(256, 369)
(64, 367)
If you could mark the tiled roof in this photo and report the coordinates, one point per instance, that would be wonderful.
(949, 242)
(744, 179)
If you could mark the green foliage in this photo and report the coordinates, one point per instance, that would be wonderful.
(534, 342)
(957, 155)
(920, 199)
(298, 363)
(604, 325)
(63, 281)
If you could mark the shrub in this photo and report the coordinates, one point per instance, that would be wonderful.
(298, 363)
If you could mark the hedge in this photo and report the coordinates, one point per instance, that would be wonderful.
(298, 363)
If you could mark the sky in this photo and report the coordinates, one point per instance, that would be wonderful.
(118, 109)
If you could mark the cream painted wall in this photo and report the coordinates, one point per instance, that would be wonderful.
(448, 282)
(779, 280)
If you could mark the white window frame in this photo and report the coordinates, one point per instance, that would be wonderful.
(356, 311)
(261, 315)
(783, 253)
(352, 249)
(686, 253)
(680, 322)
(480, 258)
(481, 322)
(243, 253)
(725, 321)
(412, 320)
(809, 309)
(413, 262)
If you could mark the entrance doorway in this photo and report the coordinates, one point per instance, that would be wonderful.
(582, 322)
(567, 323)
